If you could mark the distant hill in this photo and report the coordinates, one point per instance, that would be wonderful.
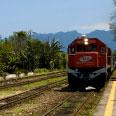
(105, 36)
(67, 37)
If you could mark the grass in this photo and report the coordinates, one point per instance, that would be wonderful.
(21, 109)
(92, 104)
(42, 83)
(27, 106)
(46, 71)
(19, 89)
(66, 104)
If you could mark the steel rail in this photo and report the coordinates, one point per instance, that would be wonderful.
(18, 98)
(83, 104)
(28, 77)
(78, 109)
(56, 106)
(34, 79)
(113, 79)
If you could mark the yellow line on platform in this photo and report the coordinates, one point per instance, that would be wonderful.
(109, 106)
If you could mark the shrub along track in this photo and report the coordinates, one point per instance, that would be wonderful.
(18, 98)
(79, 103)
(30, 79)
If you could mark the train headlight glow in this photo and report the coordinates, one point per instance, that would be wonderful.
(86, 41)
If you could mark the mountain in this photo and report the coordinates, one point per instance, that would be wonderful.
(105, 36)
(67, 37)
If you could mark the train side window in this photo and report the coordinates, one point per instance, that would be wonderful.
(102, 49)
(71, 50)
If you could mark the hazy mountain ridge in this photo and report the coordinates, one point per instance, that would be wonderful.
(67, 37)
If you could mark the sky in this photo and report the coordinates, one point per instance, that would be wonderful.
(50, 16)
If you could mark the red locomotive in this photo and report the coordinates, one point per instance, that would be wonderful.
(89, 63)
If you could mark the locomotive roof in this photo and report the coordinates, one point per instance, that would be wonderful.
(91, 40)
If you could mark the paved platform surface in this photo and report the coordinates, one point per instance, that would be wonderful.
(107, 105)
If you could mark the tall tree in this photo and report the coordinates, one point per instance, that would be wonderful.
(113, 21)
(7, 57)
(19, 40)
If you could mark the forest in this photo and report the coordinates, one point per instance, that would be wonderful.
(20, 52)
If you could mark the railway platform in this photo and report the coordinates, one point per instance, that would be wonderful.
(107, 105)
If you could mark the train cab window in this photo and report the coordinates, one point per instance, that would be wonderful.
(81, 48)
(92, 47)
(87, 48)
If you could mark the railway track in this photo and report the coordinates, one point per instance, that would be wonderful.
(80, 109)
(113, 79)
(18, 98)
(57, 106)
(82, 99)
(113, 76)
(26, 80)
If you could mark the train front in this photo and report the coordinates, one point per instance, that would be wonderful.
(83, 61)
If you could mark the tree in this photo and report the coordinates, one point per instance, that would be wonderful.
(55, 53)
(19, 40)
(7, 57)
(114, 54)
(44, 55)
(21, 43)
(22, 52)
(113, 22)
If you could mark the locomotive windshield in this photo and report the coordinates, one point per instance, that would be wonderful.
(86, 48)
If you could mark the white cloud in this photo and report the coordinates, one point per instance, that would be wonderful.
(97, 26)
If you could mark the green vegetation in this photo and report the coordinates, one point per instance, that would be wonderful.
(114, 54)
(42, 83)
(23, 53)
(46, 71)
(113, 21)
(66, 104)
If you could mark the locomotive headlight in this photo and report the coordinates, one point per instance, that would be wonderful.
(86, 41)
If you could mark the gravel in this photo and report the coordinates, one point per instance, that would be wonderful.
(37, 106)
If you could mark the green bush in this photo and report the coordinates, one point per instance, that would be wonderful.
(41, 70)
